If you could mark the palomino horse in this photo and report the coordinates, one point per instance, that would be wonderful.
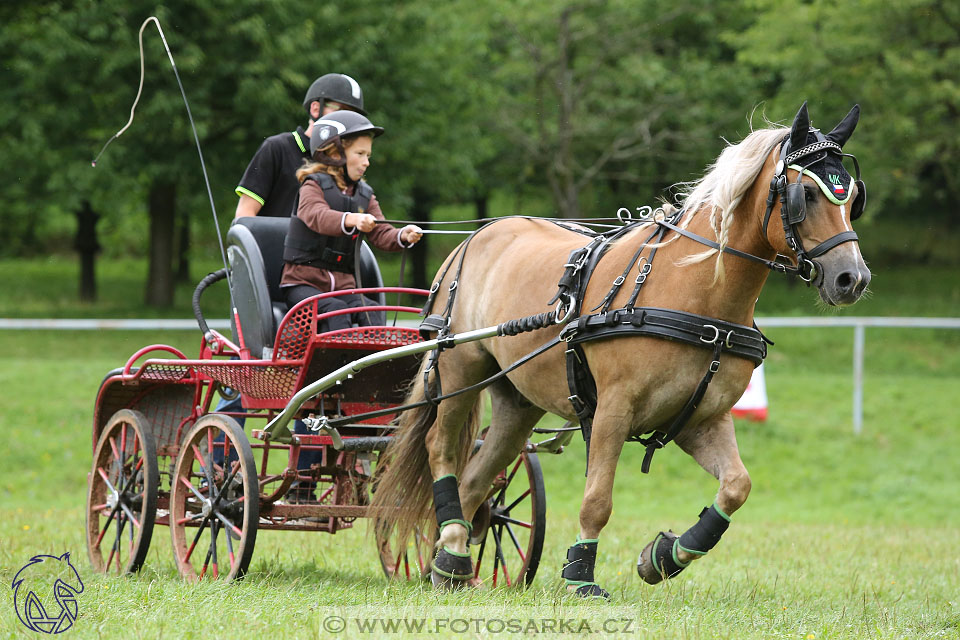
(643, 381)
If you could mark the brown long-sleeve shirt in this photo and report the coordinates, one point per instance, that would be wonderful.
(314, 211)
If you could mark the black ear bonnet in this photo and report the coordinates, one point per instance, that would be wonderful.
(820, 157)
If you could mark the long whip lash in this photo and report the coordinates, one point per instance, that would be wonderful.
(196, 138)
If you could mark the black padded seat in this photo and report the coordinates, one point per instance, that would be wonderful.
(255, 253)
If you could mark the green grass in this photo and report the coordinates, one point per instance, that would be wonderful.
(842, 537)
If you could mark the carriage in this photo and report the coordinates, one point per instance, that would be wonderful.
(163, 454)
(640, 362)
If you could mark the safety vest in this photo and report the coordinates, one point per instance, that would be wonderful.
(303, 245)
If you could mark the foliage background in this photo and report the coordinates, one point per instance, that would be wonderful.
(534, 107)
(538, 107)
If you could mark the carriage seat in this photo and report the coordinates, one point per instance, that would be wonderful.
(255, 254)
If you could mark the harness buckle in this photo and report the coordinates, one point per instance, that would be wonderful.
(714, 366)
(453, 286)
(644, 270)
(435, 287)
(618, 281)
(570, 306)
(716, 335)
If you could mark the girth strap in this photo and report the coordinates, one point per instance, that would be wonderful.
(583, 392)
(660, 439)
(689, 328)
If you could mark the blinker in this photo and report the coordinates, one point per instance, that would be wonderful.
(856, 209)
(794, 203)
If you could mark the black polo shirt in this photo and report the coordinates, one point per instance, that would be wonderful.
(271, 178)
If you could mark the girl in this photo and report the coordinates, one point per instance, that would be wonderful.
(334, 206)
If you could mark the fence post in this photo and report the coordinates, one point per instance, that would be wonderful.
(858, 337)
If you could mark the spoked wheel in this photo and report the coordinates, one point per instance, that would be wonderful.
(214, 505)
(508, 528)
(410, 561)
(122, 495)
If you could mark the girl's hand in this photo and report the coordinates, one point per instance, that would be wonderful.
(362, 221)
(411, 234)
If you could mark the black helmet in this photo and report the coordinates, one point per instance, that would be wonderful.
(335, 126)
(337, 87)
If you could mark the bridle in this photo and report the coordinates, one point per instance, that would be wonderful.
(792, 196)
(792, 211)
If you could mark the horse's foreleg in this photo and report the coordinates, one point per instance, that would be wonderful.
(713, 445)
(606, 443)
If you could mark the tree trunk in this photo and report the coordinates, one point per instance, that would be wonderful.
(183, 248)
(564, 163)
(481, 203)
(421, 213)
(87, 246)
(160, 273)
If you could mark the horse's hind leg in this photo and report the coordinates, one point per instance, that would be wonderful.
(448, 443)
(512, 421)
(713, 444)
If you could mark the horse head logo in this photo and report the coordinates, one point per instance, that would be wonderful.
(43, 581)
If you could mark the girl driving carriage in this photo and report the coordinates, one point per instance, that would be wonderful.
(334, 206)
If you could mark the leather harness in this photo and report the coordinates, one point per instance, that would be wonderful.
(718, 335)
(680, 326)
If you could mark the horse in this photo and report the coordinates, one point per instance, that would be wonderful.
(644, 382)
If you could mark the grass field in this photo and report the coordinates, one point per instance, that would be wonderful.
(842, 537)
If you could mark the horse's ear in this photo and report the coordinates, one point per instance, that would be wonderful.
(800, 128)
(842, 132)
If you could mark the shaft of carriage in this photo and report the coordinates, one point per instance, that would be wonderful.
(277, 428)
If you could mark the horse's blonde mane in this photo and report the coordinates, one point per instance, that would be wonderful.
(720, 190)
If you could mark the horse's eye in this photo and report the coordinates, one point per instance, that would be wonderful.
(811, 195)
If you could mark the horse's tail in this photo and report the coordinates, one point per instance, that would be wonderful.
(403, 485)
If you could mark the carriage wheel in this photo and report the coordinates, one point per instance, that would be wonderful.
(122, 494)
(508, 529)
(214, 505)
(410, 561)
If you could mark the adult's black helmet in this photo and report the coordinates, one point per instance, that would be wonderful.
(335, 126)
(337, 87)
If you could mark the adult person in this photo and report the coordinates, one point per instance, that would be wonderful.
(269, 184)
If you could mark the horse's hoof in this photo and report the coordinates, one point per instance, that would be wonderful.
(443, 583)
(592, 590)
(659, 547)
(451, 570)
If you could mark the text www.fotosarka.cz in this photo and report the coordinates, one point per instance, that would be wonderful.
(468, 624)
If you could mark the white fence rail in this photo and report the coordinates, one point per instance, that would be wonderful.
(859, 325)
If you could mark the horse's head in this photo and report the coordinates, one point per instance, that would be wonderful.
(818, 200)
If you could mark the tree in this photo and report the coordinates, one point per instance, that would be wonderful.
(605, 95)
(899, 61)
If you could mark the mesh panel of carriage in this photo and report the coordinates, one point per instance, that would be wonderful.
(298, 345)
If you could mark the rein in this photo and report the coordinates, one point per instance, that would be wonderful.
(713, 334)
